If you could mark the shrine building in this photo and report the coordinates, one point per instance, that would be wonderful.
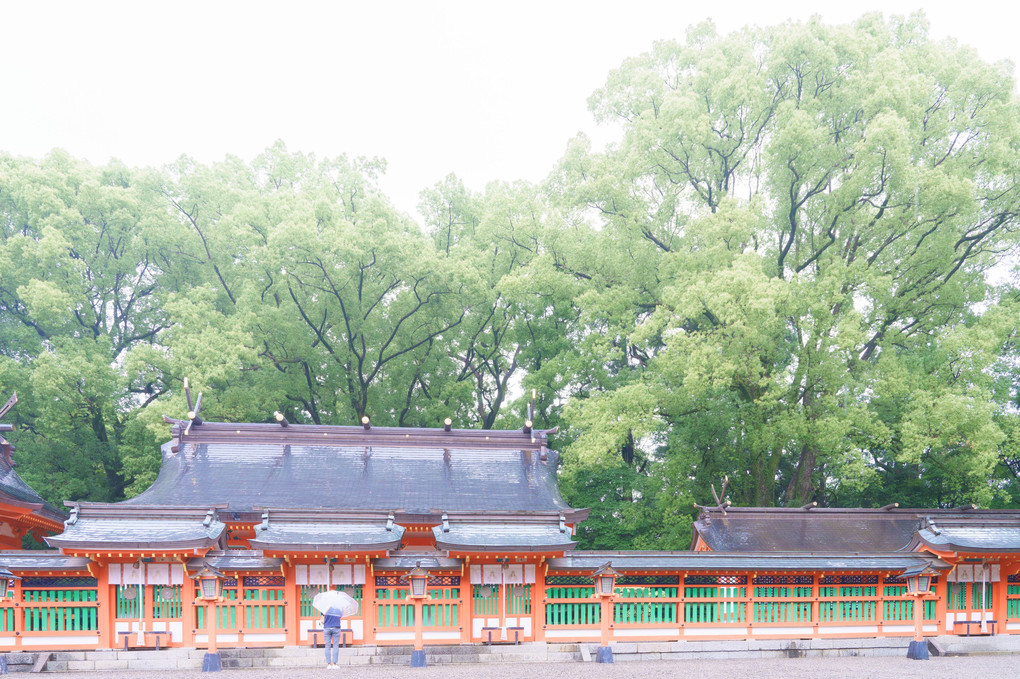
(286, 511)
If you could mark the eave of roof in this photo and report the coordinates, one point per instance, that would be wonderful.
(328, 537)
(42, 560)
(491, 537)
(236, 560)
(740, 561)
(101, 526)
(1003, 538)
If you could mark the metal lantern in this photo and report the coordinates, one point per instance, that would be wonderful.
(210, 582)
(5, 581)
(919, 578)
(605, 579)
(419, 578)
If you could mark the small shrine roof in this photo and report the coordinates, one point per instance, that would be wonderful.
(487, 537)
(415, 471)
(408, 560)
(327, 537)
(762, 563)
(102, 526)
(236, 560)
(997, 532)
(42, 560)
(810, 529)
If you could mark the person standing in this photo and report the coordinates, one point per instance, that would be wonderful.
(331, 636)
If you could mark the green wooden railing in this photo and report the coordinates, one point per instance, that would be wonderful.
(853, 606)
(166, 602)
(778, 604)
(725, 609)
(980, 595)
(902, 610)
(645, 611)
(306, 595)
(518, 599)
(264, 608)
(226, 612)
(571, 606)
(441, 609)
(1013, 601)
(58, 610)
(956, 596)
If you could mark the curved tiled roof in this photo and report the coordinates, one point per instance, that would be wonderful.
(244, 467)
(14, 491)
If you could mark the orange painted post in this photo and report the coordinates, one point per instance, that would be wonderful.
(190, 616)
(292, 607)
(540, 595)
(999, 590)
(369, 603)
(106, 608)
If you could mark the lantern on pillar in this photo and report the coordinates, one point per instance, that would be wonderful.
(605, 583)
(419, 578)
(919, 579)
(210, 582)
(605, 579)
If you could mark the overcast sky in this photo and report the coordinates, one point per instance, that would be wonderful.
(483, 89)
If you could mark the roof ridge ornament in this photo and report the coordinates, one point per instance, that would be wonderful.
(446, 523)
(719, 504)
(209, 516)
(389, 521)
(73, 518)
(265, 521)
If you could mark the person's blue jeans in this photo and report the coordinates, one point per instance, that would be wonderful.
(331, 638)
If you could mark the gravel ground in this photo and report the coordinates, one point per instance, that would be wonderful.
(979, 667)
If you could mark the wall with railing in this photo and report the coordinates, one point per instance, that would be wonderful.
(737, 606)
(394, 617)
(51, 612)
(262, 609)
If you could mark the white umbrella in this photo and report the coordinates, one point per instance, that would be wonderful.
(335, 602)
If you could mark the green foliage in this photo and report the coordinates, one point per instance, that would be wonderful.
(777, 275)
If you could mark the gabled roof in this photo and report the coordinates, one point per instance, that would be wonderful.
(415, 471)
(988, 532)
(493, 532)
(891, 529)
(18, 494)
(102, 526)
(312, 530)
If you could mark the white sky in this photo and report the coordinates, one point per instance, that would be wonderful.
(486, 90)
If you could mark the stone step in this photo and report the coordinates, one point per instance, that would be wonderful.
(305, 656)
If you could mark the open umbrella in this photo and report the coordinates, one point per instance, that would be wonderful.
(335, 602)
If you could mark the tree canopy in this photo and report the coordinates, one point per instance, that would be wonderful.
(781, 273)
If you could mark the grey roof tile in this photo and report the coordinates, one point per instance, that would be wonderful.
(715, 561)
(412, 479)
(491, 536)
(327, 536)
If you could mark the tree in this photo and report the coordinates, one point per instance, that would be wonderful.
(819, 206)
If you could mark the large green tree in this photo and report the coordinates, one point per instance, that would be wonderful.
(816, 209)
